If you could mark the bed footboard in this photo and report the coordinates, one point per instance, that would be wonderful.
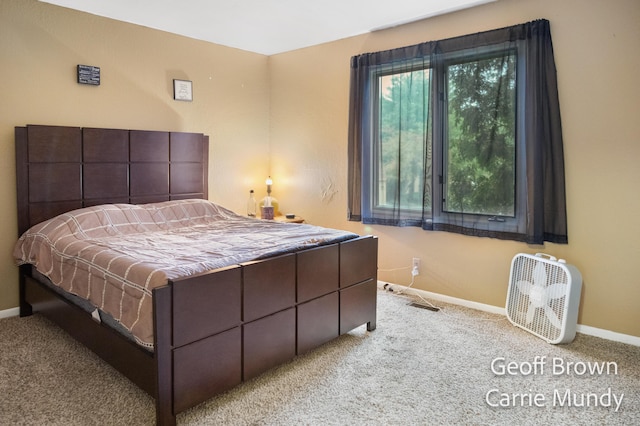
(231, 325)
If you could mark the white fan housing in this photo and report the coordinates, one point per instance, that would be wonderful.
(543, 296)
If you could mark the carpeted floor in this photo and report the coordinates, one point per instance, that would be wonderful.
(417, 367)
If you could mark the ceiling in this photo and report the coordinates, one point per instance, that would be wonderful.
(268, 26)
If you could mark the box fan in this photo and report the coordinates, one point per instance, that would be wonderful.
(543, 296)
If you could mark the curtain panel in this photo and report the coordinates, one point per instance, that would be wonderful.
(543, 189)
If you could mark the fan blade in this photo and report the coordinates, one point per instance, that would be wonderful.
(540, 275)
(524, 287)
(553, 318)
(556, 291)
(531, 312)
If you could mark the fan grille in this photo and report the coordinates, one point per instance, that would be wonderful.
(529, 271)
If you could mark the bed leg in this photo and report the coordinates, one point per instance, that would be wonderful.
(163, 355)
(25, 308)
(371, 325)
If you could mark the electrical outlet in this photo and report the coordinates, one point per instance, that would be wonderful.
(415, 270)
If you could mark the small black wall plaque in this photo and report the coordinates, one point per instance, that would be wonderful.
(88, 74)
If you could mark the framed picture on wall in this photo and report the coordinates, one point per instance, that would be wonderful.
(182, 90)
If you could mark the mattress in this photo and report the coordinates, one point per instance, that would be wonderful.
(114, 255)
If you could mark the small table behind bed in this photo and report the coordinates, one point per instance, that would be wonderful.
(213, 330)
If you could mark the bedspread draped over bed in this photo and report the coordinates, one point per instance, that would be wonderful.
(114, 255)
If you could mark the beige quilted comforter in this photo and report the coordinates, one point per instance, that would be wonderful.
(114, 255)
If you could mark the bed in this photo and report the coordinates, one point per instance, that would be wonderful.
(210, 329)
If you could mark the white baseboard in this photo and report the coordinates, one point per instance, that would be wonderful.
(584, 329)
(13, 312)
(609, 335)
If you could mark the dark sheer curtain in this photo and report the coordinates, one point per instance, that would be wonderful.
(543, 204)
(545, 152)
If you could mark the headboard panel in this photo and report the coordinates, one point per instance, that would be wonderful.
(65, 168)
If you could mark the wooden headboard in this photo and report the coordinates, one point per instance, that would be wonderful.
(65, 168)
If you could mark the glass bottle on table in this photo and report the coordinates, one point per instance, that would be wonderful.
(251, 205)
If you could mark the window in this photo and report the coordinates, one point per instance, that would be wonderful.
(457, 135)
(400, 155)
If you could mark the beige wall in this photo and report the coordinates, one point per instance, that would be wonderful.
(287, 115)
(596, 44)
(40, 46)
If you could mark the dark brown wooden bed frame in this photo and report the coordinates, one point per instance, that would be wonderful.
(213, 330)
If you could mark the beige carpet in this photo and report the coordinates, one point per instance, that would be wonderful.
(418, 367)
